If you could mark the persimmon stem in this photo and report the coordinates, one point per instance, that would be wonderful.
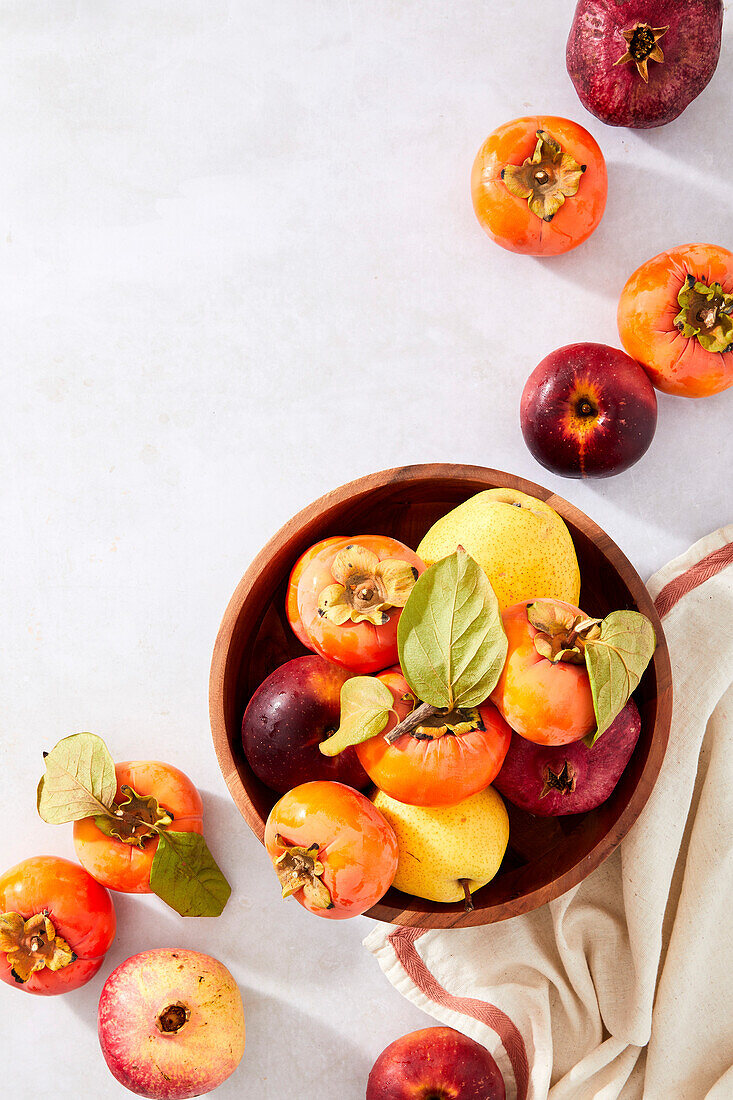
(467, 892)
(414, 719)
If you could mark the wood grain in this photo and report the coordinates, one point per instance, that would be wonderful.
(546, 856)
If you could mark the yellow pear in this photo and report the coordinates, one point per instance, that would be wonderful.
(442, 846)
(522, 545)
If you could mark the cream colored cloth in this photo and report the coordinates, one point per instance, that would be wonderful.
(622, 987)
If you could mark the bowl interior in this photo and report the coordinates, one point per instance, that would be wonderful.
(545, 855)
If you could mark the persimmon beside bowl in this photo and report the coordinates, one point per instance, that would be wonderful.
(546, 856)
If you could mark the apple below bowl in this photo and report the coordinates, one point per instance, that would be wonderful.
(546, 856)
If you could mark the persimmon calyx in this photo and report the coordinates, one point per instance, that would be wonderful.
(705, 313)
(546, 178)
(456, 721)
(301, 869)
(562, 781)
(135, 819)
(427, 722)
(365, 588)
(642, 46)
(32, 944)
(560, 633)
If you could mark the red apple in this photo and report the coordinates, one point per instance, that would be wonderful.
(436, 1063)
(292, 711)
(588, 410)
(171, 1023)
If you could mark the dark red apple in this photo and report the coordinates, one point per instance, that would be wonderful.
(588, 410)
(639, 63)
(292, 711)
(551, 780)
(436, 1063)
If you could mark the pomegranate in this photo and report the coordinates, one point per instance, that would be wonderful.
(639, 63)
(550, 780)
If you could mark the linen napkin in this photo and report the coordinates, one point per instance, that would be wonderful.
(622, 987)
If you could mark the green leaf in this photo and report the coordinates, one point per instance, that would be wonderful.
(450, 636)
(79, 780)
(616, 660)
(365, 706)
(185, 875)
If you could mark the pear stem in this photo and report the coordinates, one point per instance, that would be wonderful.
(467, 891)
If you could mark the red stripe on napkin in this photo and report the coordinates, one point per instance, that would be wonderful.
(403, 943)
(696, 575)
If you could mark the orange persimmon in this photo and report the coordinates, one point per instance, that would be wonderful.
(56, 925)
(125, 864)
(332, 849)
(440, 763)
(674, 317)
(539, 185)
(350, 596)
(291, 598)
(544, 697)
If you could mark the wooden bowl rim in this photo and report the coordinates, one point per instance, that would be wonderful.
(456, 472)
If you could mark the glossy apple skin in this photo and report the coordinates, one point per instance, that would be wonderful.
(432, 1064)
(171, 1066)
(594, 772)
(296, 708)
(588, 410)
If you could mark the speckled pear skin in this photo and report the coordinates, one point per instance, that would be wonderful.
(438, 845)
(521, 544)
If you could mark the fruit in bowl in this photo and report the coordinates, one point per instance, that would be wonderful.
(588, 410)
(439, 762)
(539, 185)
(349, 598)
(444, 668)
(550, 780)
(446, 853)
(520, 542)
(640, 64)
(290, 714)
(332, 850)
(567, 675)
(432, 1063)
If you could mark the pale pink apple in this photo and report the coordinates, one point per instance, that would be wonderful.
(171, 1023)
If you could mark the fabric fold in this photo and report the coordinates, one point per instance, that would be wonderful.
(620, 989)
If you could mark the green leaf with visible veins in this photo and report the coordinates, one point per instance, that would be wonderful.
(365, 706)
(450, 637)
(616, 661)
(79, 780)
(185, 875)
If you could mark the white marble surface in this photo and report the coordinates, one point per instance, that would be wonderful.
(239, 267)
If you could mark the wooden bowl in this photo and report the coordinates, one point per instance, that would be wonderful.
(546, 856)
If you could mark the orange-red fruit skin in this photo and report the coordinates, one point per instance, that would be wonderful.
(647, 308)
(548, 703)
(507, 219)
(440, 772)
(361, 647)
(356, 845)
(124, 867)
(80, 909)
